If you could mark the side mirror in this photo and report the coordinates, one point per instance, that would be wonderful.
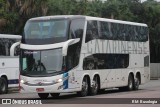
(67, 43)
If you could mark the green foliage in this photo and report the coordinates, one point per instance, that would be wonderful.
(2, 8)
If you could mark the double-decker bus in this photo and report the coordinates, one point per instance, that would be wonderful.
(83, 54)
(9, 61)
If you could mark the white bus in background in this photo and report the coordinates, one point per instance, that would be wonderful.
(82, 54)
(9, 61)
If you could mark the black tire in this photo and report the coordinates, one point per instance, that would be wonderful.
(101, 91)
(130, 85)
(43, 95)
(84, 90)
(136, 83)
(3, 85)
(55, 95)
(123, 88)
(95, 87)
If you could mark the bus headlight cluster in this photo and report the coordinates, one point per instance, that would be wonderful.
(60, 80)
(22, 81)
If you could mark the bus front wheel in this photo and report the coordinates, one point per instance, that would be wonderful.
(84, 90)
(43, 95)
(3, 86)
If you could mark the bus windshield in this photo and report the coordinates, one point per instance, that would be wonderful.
(41, 63)
(45, 31)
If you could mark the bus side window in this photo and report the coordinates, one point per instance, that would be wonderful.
(106, 61)
(5, 46)
(92, 31)
(73, 54)
(17, 51)
(2, 47)
(76, 29)
(143, 34)
(104, 30)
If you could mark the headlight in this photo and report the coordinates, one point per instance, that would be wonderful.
(22, 81)
(60, 80)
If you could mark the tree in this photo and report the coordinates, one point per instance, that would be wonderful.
(151, 16)
(15, 13)
(31, 8)
(94, 8)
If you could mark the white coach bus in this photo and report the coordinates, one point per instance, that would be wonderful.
(82, 54)
(9, 62)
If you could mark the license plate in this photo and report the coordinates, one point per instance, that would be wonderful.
(39, 89)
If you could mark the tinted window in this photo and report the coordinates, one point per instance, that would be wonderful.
(106, 61)
(146, 61)
(45, 29)
(2, 48)
(17, 51)
(117, 31)
(41, 63)
(5, 45)
(76, 28)
(39, 32)
(92, 31)
(105, 32)
(73, 55)
(76, 31)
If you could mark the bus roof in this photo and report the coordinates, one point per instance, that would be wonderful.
(88, 18)
(10, 36)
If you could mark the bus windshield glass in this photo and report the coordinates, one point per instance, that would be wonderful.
(45, 31)
(41, 63)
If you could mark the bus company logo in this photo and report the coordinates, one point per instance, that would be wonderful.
(6, 101)
(40, 81)
(108, 46)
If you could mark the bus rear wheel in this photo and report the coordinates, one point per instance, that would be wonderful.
(84, 90)
(130, 83)
(3, 86)
(55, 95)
(95, 86)
(137, 82)
(43, 95)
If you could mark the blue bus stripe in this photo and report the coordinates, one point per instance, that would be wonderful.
(13, 81)
(65, 82)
